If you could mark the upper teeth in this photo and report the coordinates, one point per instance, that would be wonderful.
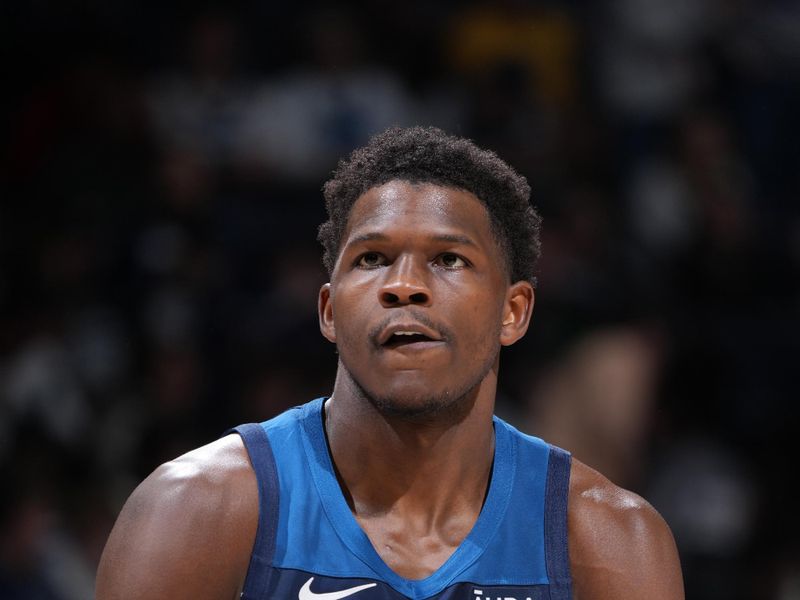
(406, 333)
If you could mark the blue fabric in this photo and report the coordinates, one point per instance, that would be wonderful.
(555, 523)
(516, 549)
(263, 461)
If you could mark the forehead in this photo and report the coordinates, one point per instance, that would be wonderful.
(399, 206)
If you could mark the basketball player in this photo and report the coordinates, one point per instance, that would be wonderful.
(402, 484)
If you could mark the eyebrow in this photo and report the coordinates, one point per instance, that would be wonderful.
(453, 238)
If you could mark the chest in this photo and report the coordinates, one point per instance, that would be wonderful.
(413, 550)
(310, 543)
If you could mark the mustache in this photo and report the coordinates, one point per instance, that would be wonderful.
(414, 314)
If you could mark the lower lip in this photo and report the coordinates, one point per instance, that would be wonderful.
(414, 347)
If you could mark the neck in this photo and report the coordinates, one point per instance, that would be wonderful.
(428, 464)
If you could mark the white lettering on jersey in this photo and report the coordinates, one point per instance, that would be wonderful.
(479, 593)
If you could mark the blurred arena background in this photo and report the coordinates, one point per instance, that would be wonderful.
(159, 198)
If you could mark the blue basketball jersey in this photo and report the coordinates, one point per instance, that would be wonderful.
(309, 545)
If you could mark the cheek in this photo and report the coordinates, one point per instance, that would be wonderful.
(482, 320)
(349, 317)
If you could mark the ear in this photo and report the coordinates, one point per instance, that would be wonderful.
(516, 312)
(325, 311)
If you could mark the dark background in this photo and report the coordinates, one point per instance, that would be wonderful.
(159, 199)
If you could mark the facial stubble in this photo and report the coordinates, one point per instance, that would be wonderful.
(445, 405)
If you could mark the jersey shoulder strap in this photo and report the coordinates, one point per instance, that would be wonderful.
(555, 523)
(263, 460)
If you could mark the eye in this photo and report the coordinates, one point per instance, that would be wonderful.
(450, 261)
(370, 260)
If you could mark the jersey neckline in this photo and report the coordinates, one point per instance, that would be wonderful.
(350, 532)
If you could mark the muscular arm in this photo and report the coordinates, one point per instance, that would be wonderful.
(620, 548)
(187, 531)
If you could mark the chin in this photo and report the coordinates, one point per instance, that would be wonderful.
(410, 396)
(414, 407)
(425, 404)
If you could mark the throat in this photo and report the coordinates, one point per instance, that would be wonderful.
(416, 487)
(422, 469)
(416, 521)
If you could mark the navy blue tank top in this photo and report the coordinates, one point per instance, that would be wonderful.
(309, 545)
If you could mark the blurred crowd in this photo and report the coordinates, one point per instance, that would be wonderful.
(159, 199)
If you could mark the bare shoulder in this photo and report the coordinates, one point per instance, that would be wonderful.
(619, 545)
(187, 530)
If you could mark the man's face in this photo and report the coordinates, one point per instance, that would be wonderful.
(419, 301)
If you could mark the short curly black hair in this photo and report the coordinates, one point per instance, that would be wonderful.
(429, 155)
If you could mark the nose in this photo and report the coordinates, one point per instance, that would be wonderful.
(405, 283)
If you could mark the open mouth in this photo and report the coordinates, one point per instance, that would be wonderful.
(412, 336)
(401, 338)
